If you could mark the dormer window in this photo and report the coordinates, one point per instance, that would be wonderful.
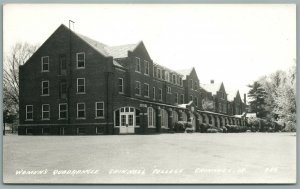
(146, 64)
(158, 73)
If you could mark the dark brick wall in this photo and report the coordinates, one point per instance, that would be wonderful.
(95, 74)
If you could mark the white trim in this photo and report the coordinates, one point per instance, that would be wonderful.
(140, 88)
(81, 110)
(29, 112)
(161, 94)
(169, 90)
(96, 116)
(43, 111)
(81, 85)
(59, 111)
(151, 117)
(176, 98)
(147, 95)
(45, 81)
(139, 62)
(83, 60)
(42, 62)
(146, 65)
(122, 92)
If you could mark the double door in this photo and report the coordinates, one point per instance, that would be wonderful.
(127, 122)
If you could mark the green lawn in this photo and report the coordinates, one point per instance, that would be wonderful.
(164, 158)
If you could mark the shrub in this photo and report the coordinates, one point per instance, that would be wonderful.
(212, 130)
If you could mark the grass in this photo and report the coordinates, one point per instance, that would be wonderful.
(164, 158)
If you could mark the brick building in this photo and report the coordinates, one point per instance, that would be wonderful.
(75, 85)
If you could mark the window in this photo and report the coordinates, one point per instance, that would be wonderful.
(62, 64)
(80, 57)
(195, 85)
(183, 116)
(191, 98)
(151, 117)
(175, 116)
(63, 90)
(121, 85)
(63, 111)
(176, 98)
(146, 63)
(169, 90)
(29, 112)
(45, 88)
(146, 90)
(137, 64)
(180, 81)
(137, 117)
(159, 73)
(196, 101)
(182, 98)
(160, 94)
(191, 84)
(167, 76)
(45, 112)
(138, 88)
(154, 71)
(81, 110)
(80, 85)
(153, 89)
(174, 79)
(45, 64)
(164, 118)
(99, 109)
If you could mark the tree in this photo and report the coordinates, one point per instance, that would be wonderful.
(17, 56)
(285, 101)
(257, 95)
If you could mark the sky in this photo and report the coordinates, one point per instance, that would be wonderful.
(233, 44)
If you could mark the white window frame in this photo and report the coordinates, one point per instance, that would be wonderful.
(29, 112)
(138, 62)
(42, 61)
(159, 73)
(151, 117)
(147, 67)
(140, 88)
(83, 60)
(59, 111)
(96, 109)
(77, 110)
(121, 92)
(164, 118)
(43, 111)
(147, 86)
(169, 90)
(46, 81)
(167, 74)
(174, 79)
(80, 85)
(161, 94)
(182, 99)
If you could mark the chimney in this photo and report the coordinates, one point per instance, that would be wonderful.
(244, 98)
(212, 81)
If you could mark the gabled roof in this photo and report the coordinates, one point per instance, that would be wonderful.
(185, 72)
(231, 94)
(120, 51)
(212, 87)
